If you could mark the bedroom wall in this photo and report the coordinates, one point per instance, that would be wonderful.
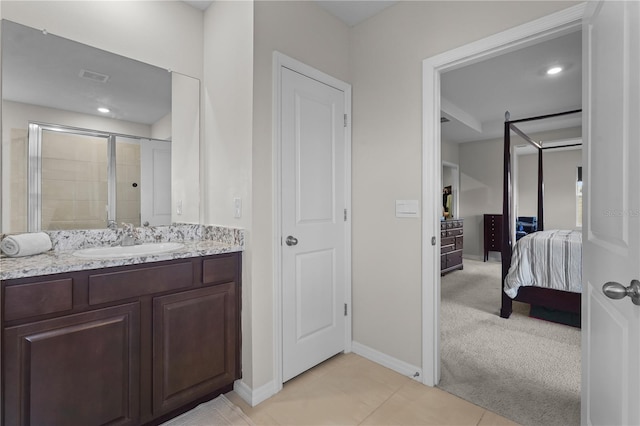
(560, 173)
(449, 152)
(386, 54)
(481, 184)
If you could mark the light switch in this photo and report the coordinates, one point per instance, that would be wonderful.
(407, 208)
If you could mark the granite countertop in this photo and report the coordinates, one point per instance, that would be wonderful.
(62, 260)
(53, 262)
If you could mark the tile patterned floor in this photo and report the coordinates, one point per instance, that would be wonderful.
(351, 390)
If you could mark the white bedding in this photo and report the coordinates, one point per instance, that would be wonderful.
(550, 259)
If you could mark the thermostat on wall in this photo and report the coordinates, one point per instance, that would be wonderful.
(407, 208)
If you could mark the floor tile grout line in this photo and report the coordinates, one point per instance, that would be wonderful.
(387, 399)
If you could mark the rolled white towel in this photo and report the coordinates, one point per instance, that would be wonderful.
(26, 244)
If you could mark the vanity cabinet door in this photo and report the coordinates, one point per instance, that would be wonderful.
(195, 344)
(80, 369)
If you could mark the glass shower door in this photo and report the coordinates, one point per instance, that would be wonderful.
(74, 180)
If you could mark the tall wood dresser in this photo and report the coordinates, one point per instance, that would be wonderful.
(492, 234)
(451, 238)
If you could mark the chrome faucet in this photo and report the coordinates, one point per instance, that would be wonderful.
(128, 237)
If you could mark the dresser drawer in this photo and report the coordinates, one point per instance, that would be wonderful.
(39, 298)
(454, 232)
(447, 241)
(122, 285)
(447, 248)
(458, 242)
(454, 258)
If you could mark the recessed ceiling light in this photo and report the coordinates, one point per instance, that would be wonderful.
(554, 70)
(103, 110)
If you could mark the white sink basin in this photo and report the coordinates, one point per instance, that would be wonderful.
(130, 251)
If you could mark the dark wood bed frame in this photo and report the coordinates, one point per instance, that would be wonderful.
(546, 297)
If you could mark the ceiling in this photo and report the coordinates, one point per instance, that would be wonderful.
(476, 97)
(44, 69)
(351, 12)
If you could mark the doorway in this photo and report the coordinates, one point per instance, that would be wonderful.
(528, 34)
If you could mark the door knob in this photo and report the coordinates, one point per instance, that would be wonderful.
(614, 290)
(291, 240)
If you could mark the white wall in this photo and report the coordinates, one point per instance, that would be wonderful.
(226, 146)
(560, 171)
(449, 152)
(185, 149)
(161, 129)
(386, 54)
(304, 31)
(481, 170)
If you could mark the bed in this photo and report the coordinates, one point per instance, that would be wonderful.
(543, 268)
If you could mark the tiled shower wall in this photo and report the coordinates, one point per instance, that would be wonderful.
(74, 182)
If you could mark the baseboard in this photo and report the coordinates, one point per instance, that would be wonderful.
(472, 257)
(493, 257)
(385, 360)
(254, 397)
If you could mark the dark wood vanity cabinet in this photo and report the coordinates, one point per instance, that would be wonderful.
(78, 369)
(189, 360)
(120, 346)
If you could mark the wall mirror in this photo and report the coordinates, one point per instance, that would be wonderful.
(91, 138)
(450, 190)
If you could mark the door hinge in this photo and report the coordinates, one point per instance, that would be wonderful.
(345, 120)
(345, 310)
(433, 241)
(345, 215)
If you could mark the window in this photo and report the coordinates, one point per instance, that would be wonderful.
(579, 197)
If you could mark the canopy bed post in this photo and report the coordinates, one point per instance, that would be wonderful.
(568, 301)
(540, 192)
(506, 309)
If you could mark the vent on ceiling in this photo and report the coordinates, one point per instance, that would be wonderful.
(94, 76)
(444, 120)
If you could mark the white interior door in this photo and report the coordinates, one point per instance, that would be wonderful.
(313, 222)
(155, 182)
(611, 130)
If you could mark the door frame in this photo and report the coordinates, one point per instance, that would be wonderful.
(279, 61)
(541, 29)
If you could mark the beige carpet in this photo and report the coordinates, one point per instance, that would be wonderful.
(217, 412)
(524, 369)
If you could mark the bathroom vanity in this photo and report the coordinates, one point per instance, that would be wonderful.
(127, 345)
